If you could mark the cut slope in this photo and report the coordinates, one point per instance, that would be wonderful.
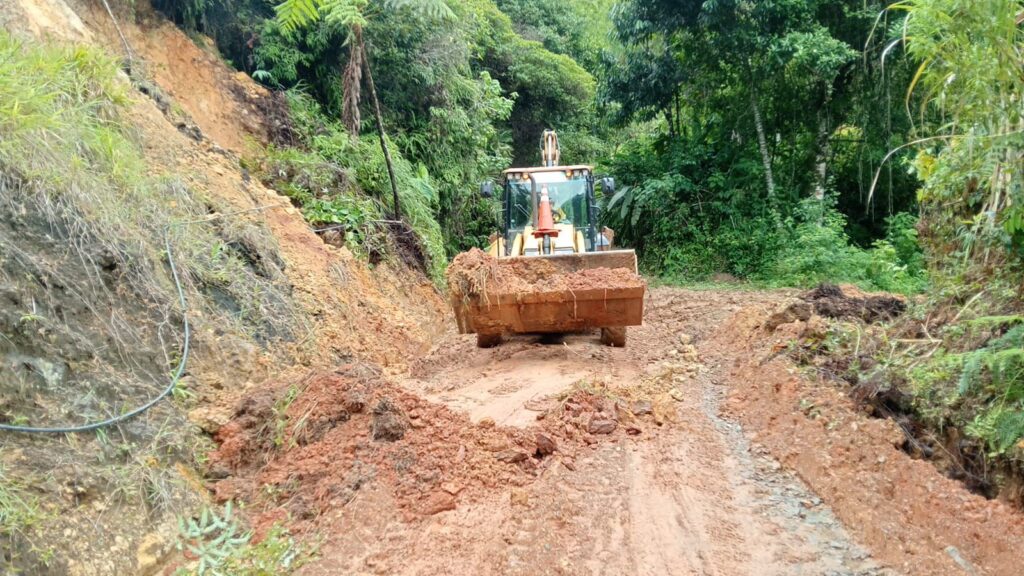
(130, 483)
(228, 106)
(903, 508)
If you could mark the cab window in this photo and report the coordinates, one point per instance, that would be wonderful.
(568, 200)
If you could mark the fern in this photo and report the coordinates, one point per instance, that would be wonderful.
(972, 371)
(344, 13)
(436, 9)
(1007, 430)
(1003, 358)
(988, 322)
(1000, 428)
(1000, 365)
(295, 14)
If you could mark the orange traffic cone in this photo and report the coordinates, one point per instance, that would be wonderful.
(545, 221)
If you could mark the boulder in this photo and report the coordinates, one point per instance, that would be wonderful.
(601, 426)
(788, 312)
(389, 423)
(545, 444)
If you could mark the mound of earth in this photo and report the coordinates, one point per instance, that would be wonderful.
(832, 301)
(296, 451)
(912, 516)
(476, 274)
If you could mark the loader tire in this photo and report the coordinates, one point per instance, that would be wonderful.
(614, 336)
(488, 340)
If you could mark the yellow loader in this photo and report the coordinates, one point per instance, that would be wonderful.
(560, 273)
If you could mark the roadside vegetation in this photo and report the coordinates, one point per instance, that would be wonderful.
(712, 181)
(969, 161)
(464, 90)
(771, 120)
(804, 142)
(215, 544)
(955, 365)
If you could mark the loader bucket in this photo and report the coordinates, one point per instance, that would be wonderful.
(546, 294)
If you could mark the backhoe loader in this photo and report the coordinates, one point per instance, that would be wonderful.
(549, 231)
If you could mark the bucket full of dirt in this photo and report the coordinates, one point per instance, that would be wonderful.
(545, 294)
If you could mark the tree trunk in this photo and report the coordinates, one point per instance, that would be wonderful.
(762, 143)
(351, 82)
(380, 132)
(679, 114)
(824, 151)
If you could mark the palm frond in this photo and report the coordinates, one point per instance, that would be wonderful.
(435, 9)
(344, 13)
(294, 14)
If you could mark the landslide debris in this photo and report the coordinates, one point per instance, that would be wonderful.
(389, 422)
(103, 190)
(476, 275)
(832, 301)
(296, 451)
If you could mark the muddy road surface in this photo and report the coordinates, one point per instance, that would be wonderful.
(700, 448)
(689, 496)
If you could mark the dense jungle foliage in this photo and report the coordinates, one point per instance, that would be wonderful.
(784, 142)
(465, 91)
(745, 136)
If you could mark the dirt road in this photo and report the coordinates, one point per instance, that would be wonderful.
(689, 497)
(697, 449)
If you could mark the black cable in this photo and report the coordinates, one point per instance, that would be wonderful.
(151, 403)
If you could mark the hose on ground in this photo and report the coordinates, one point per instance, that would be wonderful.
(166, 391)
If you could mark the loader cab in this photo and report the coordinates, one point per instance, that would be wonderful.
(574, 208)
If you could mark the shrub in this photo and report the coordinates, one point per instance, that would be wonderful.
(817, 249)
(343, 181)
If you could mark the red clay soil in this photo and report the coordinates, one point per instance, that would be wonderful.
(911, 516)
(474, 273)
(295, 452)
(508, 501)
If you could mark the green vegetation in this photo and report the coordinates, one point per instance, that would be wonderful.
(791, 143)
(20, 513)
(968, 146)
(961, 377)
(576, 29)
(341, 183)
(83, 258)
(782, 142)
(463, 95)
(815, 249)
(218, 546)
(765, 143)
(969, 129)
